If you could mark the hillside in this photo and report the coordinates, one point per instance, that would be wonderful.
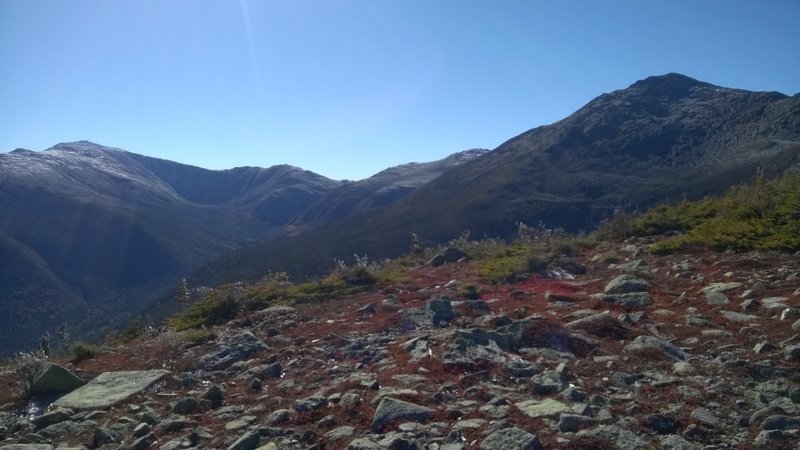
(91, 235)
(626, 350)
(662, 139)
(95, 232)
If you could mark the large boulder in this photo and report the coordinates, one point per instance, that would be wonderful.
(236, 348)
(511, 439)
(110, 388)
(53, 379)
(626, 283)
(439, 310)
(391, 410)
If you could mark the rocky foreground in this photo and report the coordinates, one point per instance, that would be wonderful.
(693, 351)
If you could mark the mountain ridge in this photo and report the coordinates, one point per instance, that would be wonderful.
(99, 231)
(663, 138)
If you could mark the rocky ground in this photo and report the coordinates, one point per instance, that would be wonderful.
(690, 351)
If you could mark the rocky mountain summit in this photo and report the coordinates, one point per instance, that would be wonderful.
(625, 349)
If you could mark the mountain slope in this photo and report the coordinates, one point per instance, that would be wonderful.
(381, 189)
(661, 139)
(107, 230)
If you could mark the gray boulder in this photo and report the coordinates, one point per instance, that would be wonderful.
(601, 324)
(110, 388)
(390, 410)
(439, 310)
(57, 415)
(249, 441)
(650, 343)
(27, 447)
(362, 444)
(236, 348)
(627, 300)
(626, 283)
(55, 380)
(781, 422)
(511, 439)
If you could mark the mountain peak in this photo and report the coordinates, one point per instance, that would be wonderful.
(671, 84)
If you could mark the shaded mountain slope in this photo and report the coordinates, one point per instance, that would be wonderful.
(662, 139)
(108, 230)
(380, 190)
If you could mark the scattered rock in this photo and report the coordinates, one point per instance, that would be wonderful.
(214, 396)
(705, 416)
(792, 353)
(390, 410)
(716, 298)
(781, 422)
(571, 423)
(511, 439)
(543, 408)
(629, 300)
(626, 283)
(362, 444)
(52, 417)
(649, 344)
(601, 324)
(720, 287)
(186, 405)
(236, 348)
(439, 311)
(661, 424)
(249, 441)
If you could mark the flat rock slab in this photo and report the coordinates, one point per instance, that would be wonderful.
(732, 316)
(511, 439)
(27, 447)
(110, 388)
(650, 343)
(720, 287)
(390, 410)
(543, 408)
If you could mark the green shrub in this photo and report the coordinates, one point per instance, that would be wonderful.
(764, 215)
(470, 292)
(196, 337)
(214, 309)
(81, 351)
(507, 264)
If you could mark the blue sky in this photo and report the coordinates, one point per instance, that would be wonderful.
(347, 88)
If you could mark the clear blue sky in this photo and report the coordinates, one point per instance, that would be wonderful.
(347, 88)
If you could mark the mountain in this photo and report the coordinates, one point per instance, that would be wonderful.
(90, 235)
(662, 139)
(87, 231)
(379, 190)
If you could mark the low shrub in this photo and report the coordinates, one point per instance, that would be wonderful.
(81, 351)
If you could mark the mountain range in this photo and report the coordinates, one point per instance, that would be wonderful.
(92, 235)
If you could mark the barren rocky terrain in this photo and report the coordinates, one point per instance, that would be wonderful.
(689, 351)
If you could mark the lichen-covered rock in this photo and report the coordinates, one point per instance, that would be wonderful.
(53, 379)
(626, 283)
(511, 439)
(390, 410)
(236, 348)
(249, 441)
(650, 343)
(110, 388)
